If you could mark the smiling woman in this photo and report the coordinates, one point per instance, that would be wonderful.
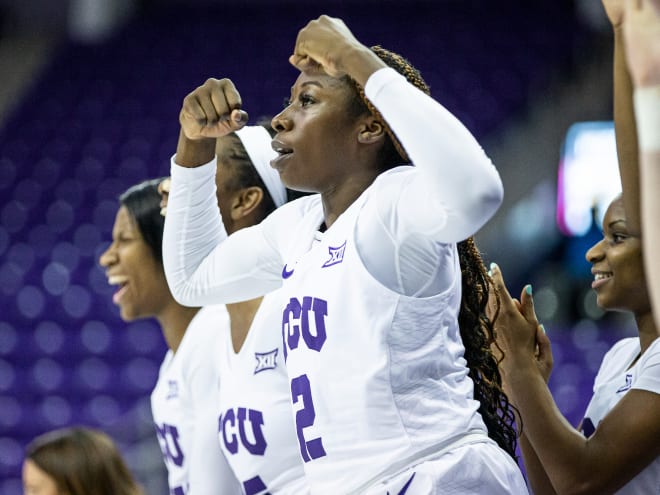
(616, 447)
(133, 262)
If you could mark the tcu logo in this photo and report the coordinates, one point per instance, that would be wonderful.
(296, 323)
(168, 438)
(234, 421)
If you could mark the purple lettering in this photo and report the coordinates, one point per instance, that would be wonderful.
(309, 449)
(168, 438)
(291, 331)
(254, 486)
(296, 320)
(230, 444)
(256, 420)
(234, 419)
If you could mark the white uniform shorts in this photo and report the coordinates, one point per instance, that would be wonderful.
(480, 468)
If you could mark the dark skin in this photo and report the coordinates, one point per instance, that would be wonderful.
(641, 30)
(558, 458)
(143, 292)
(324, 52)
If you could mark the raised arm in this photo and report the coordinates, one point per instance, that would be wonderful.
(455, 178)
(624, 119)
(202, 265)
(642, 37)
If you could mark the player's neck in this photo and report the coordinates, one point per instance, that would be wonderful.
(648, 332)
(241, 316)
(174, 322)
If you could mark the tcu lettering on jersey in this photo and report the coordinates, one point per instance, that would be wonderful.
(234, 421)
(168, 438)
(296, 323)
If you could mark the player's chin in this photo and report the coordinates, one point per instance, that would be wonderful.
(127, 313)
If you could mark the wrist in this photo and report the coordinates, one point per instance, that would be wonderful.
(647, 117)
(194, 152)
(361, 62)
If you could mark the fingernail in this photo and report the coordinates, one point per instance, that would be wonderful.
(542, 328)
(490, 274)
(493, 267)
(528, 289)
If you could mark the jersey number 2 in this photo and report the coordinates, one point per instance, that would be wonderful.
(300, 389)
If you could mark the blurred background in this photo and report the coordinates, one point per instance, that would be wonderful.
(89, 102)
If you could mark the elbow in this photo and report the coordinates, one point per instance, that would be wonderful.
(179, 289)
(481, 206)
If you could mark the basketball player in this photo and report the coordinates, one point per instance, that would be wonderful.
(183, 411)
(256, 429)
(625, 407)
(382, 379)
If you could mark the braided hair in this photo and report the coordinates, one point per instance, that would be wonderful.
(476, 328)
(478, 336)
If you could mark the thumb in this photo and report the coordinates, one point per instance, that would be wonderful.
(237, 119)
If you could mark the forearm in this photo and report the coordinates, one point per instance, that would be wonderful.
(194, 153)
(455, 177)
(626, 134)
(202, 265)
(650, 162)
(562, 451)
(536, 476)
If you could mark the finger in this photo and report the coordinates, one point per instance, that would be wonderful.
(498, 281)
(192, 110)
(544, 346)
(164, 186)
(304, 63)
(211, 111)
(238, 118)
(229, 96)
(527, 304)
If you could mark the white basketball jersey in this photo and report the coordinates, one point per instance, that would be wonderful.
(255, 424)
(183, 409)
(378, 379)
(614, 379)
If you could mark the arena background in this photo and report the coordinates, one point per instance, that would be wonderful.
(89, 101)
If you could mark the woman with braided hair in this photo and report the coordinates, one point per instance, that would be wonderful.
(375, 270)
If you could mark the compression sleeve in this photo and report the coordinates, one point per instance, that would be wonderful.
(202, 264)
(406, 229)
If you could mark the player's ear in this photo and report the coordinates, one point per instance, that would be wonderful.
(245, 201)
(371, 131)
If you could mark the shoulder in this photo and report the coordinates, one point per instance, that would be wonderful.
(208, 325)
(300, 214)
(652, 354)
(296, 208)
(627, 347)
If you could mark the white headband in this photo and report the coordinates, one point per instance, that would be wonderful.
(256, 142)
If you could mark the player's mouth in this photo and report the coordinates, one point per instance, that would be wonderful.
(283, 152)
(600, 278)
(120, 281)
